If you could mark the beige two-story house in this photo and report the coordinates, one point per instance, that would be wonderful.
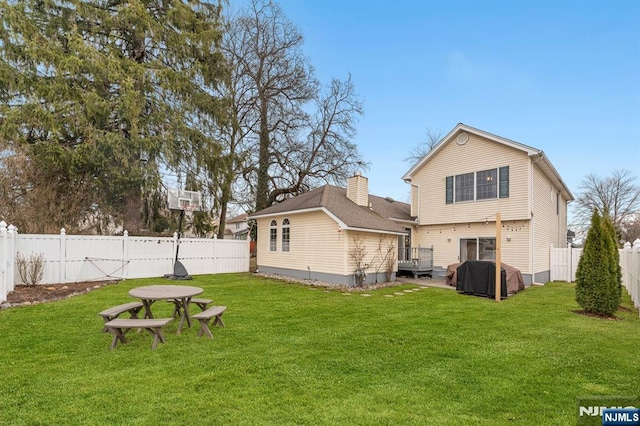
(460, 185)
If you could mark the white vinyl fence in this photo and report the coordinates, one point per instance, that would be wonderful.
(564, 262)
(76, 258)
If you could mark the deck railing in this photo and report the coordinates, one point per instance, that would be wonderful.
(421, 257)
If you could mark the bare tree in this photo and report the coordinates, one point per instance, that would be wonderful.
(38, 199)
(282, 147)
(631, 229)
(616, 196)
(358, 253)
(277, 81)
(385, 258)
(327, 154)
(423, 148)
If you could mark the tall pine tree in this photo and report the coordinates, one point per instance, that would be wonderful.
(100, 95)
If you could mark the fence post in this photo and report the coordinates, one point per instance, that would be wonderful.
(12, 233)
(635, 274)
(4, 259)
(570, 260)
(63, 256)
(125, 254)
(625, 261)
(552, 272)
(215, 253)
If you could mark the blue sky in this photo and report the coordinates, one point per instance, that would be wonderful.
(561, 76)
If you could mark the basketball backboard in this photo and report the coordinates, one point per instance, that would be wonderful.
(181, 199)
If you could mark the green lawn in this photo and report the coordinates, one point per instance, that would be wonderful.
(293, 354)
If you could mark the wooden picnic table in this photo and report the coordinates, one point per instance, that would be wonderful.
(180, 293)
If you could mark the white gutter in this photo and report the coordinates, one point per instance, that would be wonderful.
(410, 222)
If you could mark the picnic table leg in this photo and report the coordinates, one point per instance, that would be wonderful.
(156, 332)
(147, 308)
(185, 313)
(204, 328)
(117, 335)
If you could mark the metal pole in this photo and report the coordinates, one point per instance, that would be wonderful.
(179, 233)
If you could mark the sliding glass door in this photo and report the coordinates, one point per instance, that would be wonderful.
(477, 249)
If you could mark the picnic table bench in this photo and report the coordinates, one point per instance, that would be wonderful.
(119, 326)
(205, 316)
(112, 313)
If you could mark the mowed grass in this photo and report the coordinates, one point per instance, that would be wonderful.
(294, 354)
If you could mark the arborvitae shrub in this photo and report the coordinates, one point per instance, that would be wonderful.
(615, 254)
(597, 276)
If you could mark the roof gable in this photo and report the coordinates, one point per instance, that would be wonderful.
(534, 153)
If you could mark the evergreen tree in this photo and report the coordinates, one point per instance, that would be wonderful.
(597, 285)
(612, 245)
(102, 94)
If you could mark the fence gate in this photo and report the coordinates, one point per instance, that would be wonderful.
(564, 262)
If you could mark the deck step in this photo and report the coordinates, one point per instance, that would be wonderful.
(438, 273)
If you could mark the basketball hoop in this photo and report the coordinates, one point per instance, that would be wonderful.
(187, 202)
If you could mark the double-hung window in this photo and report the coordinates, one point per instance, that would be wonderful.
(273, 236)
(286, 235)
(487, 184)
(464, 187)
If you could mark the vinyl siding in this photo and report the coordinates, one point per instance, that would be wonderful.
(375, 250)
(315, 244)
(415, 200)
(514, 253)
(476, 155)
(548, 226)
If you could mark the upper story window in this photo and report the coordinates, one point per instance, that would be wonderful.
(464, 187)
(482, 185)
(273, 236)
(487, 184)
(286, 235)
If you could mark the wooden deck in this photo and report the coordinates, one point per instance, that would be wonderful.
(417, 260)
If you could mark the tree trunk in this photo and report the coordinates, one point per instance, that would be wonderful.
(262, 186)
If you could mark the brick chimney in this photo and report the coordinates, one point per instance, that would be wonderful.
(358, 190)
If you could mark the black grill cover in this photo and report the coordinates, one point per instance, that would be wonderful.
(479, 278)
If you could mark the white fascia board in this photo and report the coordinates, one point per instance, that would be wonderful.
(341, 224)
(552, 173)
(463, 127)
(288, 212)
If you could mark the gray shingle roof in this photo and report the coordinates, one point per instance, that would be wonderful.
(334, 199)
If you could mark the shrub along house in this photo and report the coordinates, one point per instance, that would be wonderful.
(332, 234)
(468, 177)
